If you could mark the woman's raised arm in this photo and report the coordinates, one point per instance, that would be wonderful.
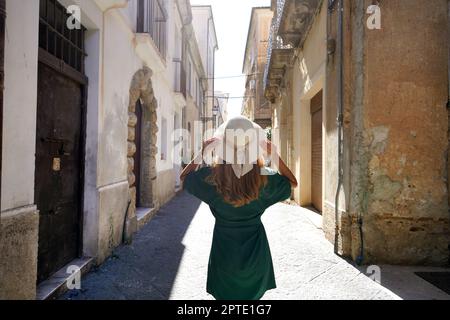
(282, 167)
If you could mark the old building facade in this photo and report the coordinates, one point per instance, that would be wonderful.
(88, 152)
(205, 30)
(220, 111)
(378, 174)
(255, 106)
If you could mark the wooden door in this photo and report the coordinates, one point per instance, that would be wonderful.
(316, 152)
(59, 139)
(58, 169)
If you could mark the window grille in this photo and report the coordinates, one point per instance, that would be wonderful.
(67, 45)
(152, 19)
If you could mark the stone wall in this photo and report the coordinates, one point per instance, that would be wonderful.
(18, 251)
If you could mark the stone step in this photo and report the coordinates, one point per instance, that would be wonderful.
(56, 285)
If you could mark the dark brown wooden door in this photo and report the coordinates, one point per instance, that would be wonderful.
(137, 155)
(58, 169)
(316, 152)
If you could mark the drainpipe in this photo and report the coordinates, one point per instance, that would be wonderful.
(2, 77)
(448, 60)
(207, 76)
(340, 120)
(214, 80)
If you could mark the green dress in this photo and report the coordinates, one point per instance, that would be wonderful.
(240, 264)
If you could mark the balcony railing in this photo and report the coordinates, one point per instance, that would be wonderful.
(152, 19)
(275, 41)
(290, 24)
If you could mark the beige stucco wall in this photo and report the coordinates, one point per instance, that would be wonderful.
(396, 124)
(257, 108)
(406, 122)
(308, 80)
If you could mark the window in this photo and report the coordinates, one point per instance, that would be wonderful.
(201, 96)
(195, 90)
(57, 39)
(152, 19)
(163, 139)
(189, 76)
(199, 90)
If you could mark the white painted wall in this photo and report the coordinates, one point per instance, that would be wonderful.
(115, 54)
(20, 98)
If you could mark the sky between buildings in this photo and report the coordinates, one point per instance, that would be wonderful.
(232, 18)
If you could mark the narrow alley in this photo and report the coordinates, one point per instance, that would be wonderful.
(168, 260)
(111, 111)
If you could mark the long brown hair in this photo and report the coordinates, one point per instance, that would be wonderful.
(238, 192)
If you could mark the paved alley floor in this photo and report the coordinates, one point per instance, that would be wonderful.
(168, 260)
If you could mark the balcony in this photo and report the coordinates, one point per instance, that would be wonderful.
(152, 20)
(179, 82)
(290, 25)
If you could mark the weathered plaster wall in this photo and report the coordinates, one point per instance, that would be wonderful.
(396, 141)
(331, 136)
(18, 252)
(123, 61)
(406, 124)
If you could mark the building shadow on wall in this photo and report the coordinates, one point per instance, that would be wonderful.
(147, 268)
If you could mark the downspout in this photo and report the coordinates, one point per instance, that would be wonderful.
(214, 82)
(448, 44)
(207, 77)
(340, 120)
(448, 107)
(2, 77)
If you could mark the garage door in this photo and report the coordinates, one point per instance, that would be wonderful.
(316, 152)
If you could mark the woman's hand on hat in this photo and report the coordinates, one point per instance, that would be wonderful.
(267, 146)
(210, 143)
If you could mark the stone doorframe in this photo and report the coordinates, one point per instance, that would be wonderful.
(142, 88)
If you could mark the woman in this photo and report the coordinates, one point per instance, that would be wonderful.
(238, 193)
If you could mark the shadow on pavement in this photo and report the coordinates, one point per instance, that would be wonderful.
(147, 268)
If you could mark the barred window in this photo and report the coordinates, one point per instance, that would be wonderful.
(57, 39)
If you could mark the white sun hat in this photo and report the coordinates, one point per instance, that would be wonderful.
(239, 144)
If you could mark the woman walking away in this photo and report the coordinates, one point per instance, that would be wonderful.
(238, 190)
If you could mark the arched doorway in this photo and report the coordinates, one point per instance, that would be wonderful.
(138, 154)
(142, 149)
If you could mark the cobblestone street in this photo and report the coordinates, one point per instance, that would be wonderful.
(168, 260)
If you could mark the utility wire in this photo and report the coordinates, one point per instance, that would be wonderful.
(230, 77)
(244, 97)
